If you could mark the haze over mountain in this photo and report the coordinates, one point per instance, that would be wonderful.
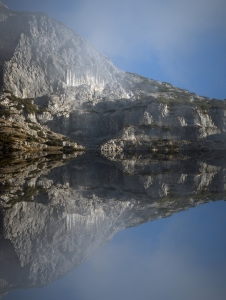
(181, 42)
(88, 99)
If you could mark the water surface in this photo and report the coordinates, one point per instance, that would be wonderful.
(114, 228)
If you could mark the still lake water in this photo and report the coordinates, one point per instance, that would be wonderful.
(118, 228)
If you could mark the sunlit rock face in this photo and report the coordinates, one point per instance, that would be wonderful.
(39, 55)
(79, 207)
(139, 123)
(90, 100)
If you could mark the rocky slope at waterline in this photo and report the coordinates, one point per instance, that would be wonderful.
(80, 206)
(88, 99)
(20, 131)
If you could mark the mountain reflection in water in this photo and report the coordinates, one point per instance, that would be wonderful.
(55, 214)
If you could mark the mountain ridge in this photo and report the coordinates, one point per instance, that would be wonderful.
(91, 101)
(3, 5)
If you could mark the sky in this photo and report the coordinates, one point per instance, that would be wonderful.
(178, 41)
(180, 257)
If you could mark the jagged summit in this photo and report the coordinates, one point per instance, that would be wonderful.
(46, 57)
(3, 5)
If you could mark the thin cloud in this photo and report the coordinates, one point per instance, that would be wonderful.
(116, 27)
(179, 41)
(170, 36)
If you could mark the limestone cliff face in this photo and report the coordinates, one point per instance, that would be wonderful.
(81, 205)
(153, 126)
(93, 102)
(39, 55)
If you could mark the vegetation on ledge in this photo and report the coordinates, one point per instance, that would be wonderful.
(27, 105)
(16, 138)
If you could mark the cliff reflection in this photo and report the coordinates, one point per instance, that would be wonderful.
(54, 216)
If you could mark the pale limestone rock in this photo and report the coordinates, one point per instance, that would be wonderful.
(90, 100)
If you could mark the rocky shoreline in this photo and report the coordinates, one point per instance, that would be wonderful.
(20, 131)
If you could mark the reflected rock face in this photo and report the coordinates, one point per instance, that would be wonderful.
(81, 205)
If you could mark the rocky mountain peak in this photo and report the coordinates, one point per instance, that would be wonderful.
(2, 5)
(91, 101)
(48, 58)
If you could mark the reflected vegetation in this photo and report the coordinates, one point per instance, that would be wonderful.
(57, 211)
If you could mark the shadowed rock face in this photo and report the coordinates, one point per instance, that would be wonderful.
(81, 205)
(141, 123)
(90, 100)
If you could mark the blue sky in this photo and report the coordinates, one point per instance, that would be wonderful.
(179, 41)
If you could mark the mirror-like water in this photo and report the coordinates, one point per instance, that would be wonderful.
(71, 227)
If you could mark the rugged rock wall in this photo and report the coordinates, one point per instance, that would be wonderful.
(139, 123)
(92, 101)
(40, 55)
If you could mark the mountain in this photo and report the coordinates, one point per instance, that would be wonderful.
(54, 216)
(92, 102)
(46, 57)
(2, 5)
